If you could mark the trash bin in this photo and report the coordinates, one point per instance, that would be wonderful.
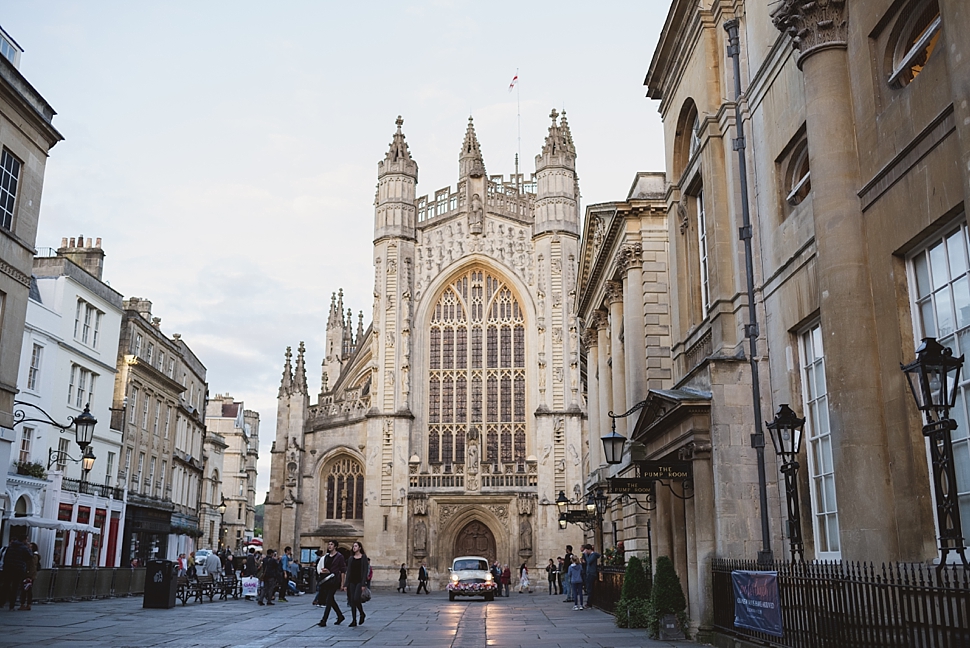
(160, 584)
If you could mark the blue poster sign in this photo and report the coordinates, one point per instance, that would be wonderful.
(757, 605)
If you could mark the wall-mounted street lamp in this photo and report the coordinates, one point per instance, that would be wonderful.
(933, 378)
(614, 443)
(786, 433)
(83, 425)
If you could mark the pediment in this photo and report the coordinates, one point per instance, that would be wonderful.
(665, 407)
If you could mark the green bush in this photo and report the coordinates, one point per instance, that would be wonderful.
(31, 469)
(635, 582)
(666, 597)
(631, 613)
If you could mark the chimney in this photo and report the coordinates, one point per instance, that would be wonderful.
(88, 257)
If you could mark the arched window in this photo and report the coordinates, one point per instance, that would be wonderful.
(799, 175)
(477, 372)
(344, 490)
(914, 40)
(215, 499)
(688, 136)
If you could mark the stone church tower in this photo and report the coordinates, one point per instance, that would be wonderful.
(451, 424)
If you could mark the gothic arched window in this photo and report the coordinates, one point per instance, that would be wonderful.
(344, 490)
(477, 372)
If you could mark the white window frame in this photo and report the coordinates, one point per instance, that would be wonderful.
(110, 464)
(946, 276)
(702, 254)
(818, 445)
(10, 172)
(63, 445)
(33, 372)
(26, 441)
(905, 55)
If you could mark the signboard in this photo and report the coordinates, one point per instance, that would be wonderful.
(665, 469)
(636, 486)
(757, 605)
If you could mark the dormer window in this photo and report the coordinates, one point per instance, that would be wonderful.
(915, 41)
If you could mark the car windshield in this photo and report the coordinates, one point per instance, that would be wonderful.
(463, 565)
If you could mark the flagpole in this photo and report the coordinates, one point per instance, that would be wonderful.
(518, 150)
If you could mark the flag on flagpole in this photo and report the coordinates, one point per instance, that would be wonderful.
(515, 80)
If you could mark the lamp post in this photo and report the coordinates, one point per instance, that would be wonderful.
(222, 520)
(786, 433)
(933, 378)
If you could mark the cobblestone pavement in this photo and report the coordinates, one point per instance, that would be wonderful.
(428, 621)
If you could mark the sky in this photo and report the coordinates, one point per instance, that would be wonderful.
(226, 152)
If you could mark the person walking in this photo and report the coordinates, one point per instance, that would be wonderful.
(524, 578)
(332, 569)
(423, 578)
(33, 565)
(271, 576)
(357, 569)
(568, 560)
(496, 572)
(15, 562)
(507, 580)
(592, 571)
(402, 579)
(561, 567)
(316, 580)
(576, 583)
(286, 566)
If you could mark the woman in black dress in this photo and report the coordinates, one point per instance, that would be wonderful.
(357, 568)
(402, 580)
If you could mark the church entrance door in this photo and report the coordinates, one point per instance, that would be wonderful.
(475, 539)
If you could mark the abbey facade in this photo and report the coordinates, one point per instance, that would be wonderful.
(450, 424)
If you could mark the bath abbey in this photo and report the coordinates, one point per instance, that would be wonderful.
(450, 424)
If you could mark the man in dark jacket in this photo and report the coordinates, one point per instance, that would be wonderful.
(15, 569)
(331, 568)
(271, 577)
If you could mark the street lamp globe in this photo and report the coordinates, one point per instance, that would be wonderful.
(601, 501)
(562, 502)
(591, 505)
(613, 446)
(786, 432)
(562, 521)
(88, 459)
(84, 427)
(222, 507)
(933, 377)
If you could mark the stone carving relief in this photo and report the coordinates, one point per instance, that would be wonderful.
(420, 536)
(525, 537)
(630, 256)
(614, 291)
(812, 25)
(526, 505)
(419, 506)
(501, 512)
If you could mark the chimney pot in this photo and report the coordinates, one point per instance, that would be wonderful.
(97, 242)
(64, 242)
(72, 242)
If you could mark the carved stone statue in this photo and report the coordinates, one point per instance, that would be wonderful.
(420, 536)
(476, 217)
(525, 536)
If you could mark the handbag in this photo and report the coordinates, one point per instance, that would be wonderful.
(364, 593)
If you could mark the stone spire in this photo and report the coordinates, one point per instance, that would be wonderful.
(360, 329)
(559, 140)
(470, 161)
(332, 318)
(287, 383)
(349, 333)
(299, 376)
(398, 158)
(557, 186)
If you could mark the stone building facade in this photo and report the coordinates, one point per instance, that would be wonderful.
(239, 428)
(159, 401)
(857, 119)
(450, 424)
(27, 135)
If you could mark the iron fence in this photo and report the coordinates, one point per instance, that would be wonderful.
(607, 590)
(836, 604)
(80, 583)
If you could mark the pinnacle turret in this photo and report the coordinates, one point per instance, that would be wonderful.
(470, 162)
(557, 186)
(360, 329)
(559, 141)
(299, 376)
(398, 158)
(287, 383)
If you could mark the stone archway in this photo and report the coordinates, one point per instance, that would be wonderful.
(475, 539)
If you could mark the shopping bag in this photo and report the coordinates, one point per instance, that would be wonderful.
(250, 586)
(364, 594)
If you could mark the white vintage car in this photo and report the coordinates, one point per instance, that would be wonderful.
(470, 576)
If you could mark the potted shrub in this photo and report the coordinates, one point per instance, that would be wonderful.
(31, 469)
(631, 609)
(667, 603)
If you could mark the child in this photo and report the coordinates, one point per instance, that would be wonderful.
(576, 582)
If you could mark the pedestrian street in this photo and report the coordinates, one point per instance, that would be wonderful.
(429, 621)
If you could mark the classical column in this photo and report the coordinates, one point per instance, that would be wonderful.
(634, 335)
(614, 296)
(867, 523)
(595, 426)
(605, 401)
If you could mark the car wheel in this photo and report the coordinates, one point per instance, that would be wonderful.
(451, 596)
(489, 597)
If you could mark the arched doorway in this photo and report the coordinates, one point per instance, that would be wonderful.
(475, 539)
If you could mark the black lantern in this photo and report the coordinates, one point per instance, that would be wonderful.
(601, 501)
(222, 507)
(562, 502)
(87, 459)
(84, 427)
(613, 445)
(786, 432)
(933, 378)
(591, 505)
(562, 521)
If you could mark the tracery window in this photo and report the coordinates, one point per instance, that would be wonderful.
(915, 40)
(477, 372)
(345, 490)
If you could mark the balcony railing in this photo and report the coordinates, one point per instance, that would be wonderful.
(88, 488)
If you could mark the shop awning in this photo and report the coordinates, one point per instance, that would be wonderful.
(58, 525)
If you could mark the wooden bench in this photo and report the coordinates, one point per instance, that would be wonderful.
(195, 589)
(230, 585)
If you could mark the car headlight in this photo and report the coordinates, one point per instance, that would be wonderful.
(488, 578)
(454, 578)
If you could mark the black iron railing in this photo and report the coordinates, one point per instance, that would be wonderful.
(836, 604)
(88, 488)
(607, 590)
(80, 583)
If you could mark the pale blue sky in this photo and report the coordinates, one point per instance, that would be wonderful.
(226, 152)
